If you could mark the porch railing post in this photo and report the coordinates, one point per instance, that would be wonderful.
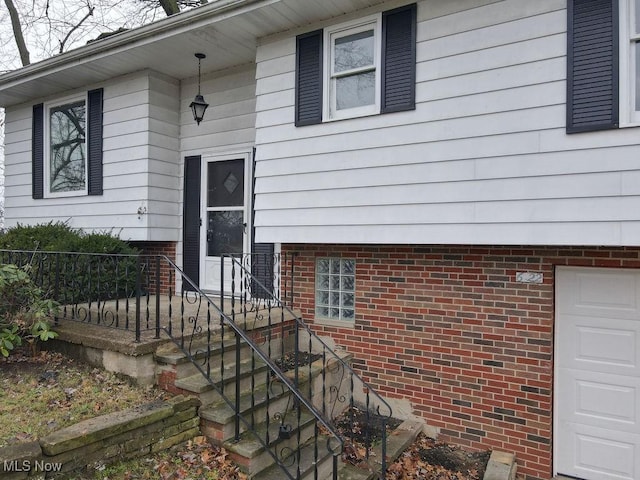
(293, 259)
(56, 287)
(237, 392)
(138, 288)
(158, 292)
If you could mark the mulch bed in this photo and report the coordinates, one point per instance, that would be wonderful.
(428, 459)
(425, 459)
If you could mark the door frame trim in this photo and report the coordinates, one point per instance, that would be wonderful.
(247, 156)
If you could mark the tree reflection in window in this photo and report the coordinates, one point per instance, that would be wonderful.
(354, 69)
(67, 158)
(224, 232)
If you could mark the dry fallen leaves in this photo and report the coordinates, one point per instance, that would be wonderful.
(197, 458)
(427, 459)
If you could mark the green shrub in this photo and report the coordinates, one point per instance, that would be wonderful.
(24, 310)
(60, 237)
(49, 237)
(73, 278)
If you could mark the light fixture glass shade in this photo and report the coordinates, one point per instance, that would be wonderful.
(198, 107)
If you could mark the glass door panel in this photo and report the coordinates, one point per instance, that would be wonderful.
(225, 216)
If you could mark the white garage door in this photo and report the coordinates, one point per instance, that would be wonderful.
(597, 358)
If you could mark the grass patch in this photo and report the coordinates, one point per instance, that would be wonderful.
(49, 391)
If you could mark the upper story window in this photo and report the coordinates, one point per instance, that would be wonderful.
(630, 61)
(352, 67)
(66, 146)
(359, 68)
(67, 160)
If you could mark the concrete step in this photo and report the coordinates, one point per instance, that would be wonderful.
(251, 455)
(314, 462)
(253, 373)
(398, 441)
(218, 419)
(172, 356)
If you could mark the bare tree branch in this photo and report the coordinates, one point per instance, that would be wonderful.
(75, 27)
(170, 7)
(17, 33)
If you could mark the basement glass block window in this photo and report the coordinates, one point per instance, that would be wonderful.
(335, 288)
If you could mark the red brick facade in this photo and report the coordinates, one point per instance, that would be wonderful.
(167, 273)
(449, 328)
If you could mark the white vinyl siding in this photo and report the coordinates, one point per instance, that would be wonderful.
(229, 122)
(140, 165)
(484, 158)
(228, 126)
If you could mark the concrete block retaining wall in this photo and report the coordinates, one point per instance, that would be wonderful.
(108, 438)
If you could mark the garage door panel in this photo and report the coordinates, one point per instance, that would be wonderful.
(597, 362)
(599, 400)
(600, 344)
(608, 292)
(599, 454)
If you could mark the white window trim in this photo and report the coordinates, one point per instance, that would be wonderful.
(629, 116)
(329, 112)
(47, 147)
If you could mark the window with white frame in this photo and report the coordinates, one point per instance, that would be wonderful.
(335, 288)
(66, 165)
(357, 68)
(630, 61)
(352, 69)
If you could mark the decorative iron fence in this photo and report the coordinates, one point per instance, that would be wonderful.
(138, 293)
(319, 372)
(286, 386)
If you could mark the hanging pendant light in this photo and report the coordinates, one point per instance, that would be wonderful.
(198, 106)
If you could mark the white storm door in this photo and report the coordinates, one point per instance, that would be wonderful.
(224, 204)
(597, 383)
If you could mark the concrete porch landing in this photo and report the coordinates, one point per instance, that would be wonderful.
(96, 342)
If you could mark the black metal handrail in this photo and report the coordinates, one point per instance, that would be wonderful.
(201, 355)
(283, 333)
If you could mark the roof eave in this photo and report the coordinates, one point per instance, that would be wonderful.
(165, 27)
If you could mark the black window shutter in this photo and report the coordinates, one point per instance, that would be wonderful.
(309, 78)
(262, 265)
(191, 221)
(94, 141)
(262, 254)
(592, 65)
(37, 152)
(399, 59)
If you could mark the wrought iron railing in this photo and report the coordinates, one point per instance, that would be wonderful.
(126, 292)
(319, 372)
(287, 387)
(112, 290)
(253, 384)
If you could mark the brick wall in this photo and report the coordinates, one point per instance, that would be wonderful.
(167, 275)
(451, 329)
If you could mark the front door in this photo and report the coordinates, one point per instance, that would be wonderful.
(224, 197)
